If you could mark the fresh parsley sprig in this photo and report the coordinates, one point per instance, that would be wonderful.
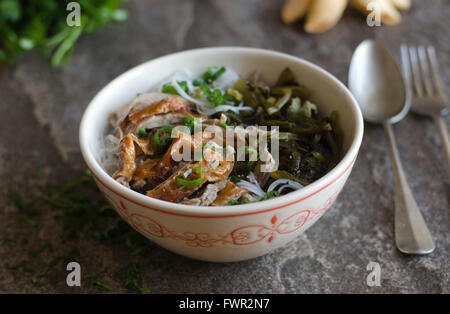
(42, 25)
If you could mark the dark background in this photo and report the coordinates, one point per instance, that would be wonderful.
(41, 108)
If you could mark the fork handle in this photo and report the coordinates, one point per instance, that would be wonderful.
(411, 233)
(443, 133)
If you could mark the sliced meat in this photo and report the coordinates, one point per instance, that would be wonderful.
(230, 192)
(152, 110)
(171, 191)
(215, 169)
(144, 144)
(155, 171)
(127, 164)
(146, 170)
(160, 120)
(207, 196)
(256, 79)
(131, 152)
(137, 104)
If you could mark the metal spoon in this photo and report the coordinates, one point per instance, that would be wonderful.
(376, 82)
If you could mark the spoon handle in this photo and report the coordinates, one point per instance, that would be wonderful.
(411, 233)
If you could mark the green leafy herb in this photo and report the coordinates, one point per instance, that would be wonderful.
(132, 273)
(242, 200)
(170, 89)
(97, 284)
(167, 128)
(26, 207)
(209, 76)
(270, 194)
(42, 25)
(142, 132)
(190, 122)
(181, 180)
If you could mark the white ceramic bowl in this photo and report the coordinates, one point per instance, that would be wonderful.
(228, 233)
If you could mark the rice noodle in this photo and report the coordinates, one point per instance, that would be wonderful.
(286, 182)
(108, 150)
(254, 188)
(232, 108)
(201, 105)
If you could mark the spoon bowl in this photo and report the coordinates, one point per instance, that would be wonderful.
(377, 83)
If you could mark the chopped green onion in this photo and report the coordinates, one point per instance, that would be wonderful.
(270, 194)
(190, 122)
(156, 139)
(142, 132)
(215, 96)
(181, 180)
(170, 89)
(224, 125)
(235, 179)
(243, 200)
(210, 76)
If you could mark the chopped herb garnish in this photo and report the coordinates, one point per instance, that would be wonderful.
(156, 139)
(142, 132)
(235, 179)
(181, 180)
(190, 122)
(133, 274)
(270, 194)
(170, 89)
(215, 96)
(27, 208)
(242, 200)
(210, 75)
(42, 25)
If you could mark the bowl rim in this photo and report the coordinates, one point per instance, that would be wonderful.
(176, 209)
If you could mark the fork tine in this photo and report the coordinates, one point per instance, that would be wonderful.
(415, 71)
(435, 71)
(426, 77)
(406, 67)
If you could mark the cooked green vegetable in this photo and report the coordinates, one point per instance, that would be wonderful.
(170, 89)
(142, 132)
(270, 194)
(42, 25)
(282, 174)
(158, 142)
(209, 76)
(242, 200)
(181, 180)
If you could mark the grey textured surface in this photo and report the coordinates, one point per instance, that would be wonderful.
(41, 108)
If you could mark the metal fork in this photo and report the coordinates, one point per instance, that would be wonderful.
(422, 77)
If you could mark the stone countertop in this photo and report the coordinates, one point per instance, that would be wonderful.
(42, 106)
